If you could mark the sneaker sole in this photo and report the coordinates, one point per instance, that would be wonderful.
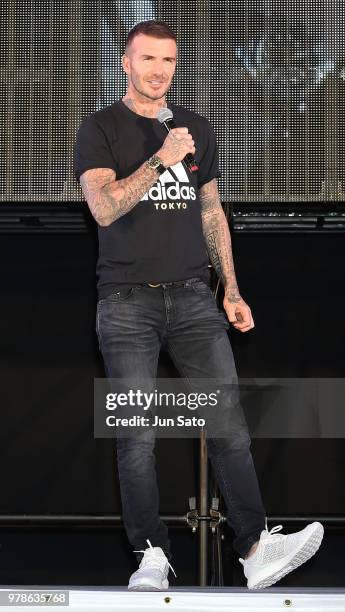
(145, 588)
(309, 548)
(148, 587)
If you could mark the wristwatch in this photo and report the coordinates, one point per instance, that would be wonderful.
(155, 163)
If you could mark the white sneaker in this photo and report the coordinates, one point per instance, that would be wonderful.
(278, 554)
(152, 572)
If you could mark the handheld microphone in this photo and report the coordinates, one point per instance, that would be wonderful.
(165, 116)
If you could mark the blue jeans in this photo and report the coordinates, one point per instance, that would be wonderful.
(133, 323)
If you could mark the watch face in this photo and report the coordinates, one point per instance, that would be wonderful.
(154, 162)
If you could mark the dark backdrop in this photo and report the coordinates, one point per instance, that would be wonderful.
(50, 461)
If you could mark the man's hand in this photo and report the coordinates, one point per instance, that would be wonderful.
(239, 314)
(175, 147)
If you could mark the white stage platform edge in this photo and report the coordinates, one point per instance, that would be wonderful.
(184, 599)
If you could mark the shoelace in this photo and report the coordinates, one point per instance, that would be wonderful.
(273, 531)
(153, 556)
(272, 534)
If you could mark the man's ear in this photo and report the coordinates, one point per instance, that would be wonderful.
(125, 63)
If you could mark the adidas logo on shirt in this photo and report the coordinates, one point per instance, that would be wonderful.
(172, 190)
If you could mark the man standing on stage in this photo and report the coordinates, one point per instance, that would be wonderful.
(158, 225)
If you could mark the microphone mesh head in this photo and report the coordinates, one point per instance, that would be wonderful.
(164, 114)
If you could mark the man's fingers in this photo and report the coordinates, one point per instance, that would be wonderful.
(179, 130)
(244, 323)
(184, 139)
(241, 318)
(244, 319)
(244, 326)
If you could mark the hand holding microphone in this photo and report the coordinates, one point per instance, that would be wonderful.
(178, 145)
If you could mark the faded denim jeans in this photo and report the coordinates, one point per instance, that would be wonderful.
(133, 323)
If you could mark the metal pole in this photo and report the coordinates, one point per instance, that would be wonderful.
(203, 509)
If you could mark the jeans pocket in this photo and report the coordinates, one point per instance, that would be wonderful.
(119, 295)
(201, 288)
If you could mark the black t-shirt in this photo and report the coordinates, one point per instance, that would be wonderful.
(161, 238)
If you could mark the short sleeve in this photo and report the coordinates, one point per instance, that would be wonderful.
(209, 162)
(91, 148)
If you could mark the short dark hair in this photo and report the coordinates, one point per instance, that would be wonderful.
(156, 29)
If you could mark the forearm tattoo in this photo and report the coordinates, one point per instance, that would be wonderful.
(126, 193)
(218, 240)
(110, 199)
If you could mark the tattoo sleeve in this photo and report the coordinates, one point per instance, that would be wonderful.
(108, 198)
(218, 240)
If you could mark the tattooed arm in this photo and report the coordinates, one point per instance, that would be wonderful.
(218, 240)
(109, 199)
(218, 243)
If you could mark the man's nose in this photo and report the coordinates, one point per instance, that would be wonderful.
(158, 67)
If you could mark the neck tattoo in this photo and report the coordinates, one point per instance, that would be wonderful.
(129, 102)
